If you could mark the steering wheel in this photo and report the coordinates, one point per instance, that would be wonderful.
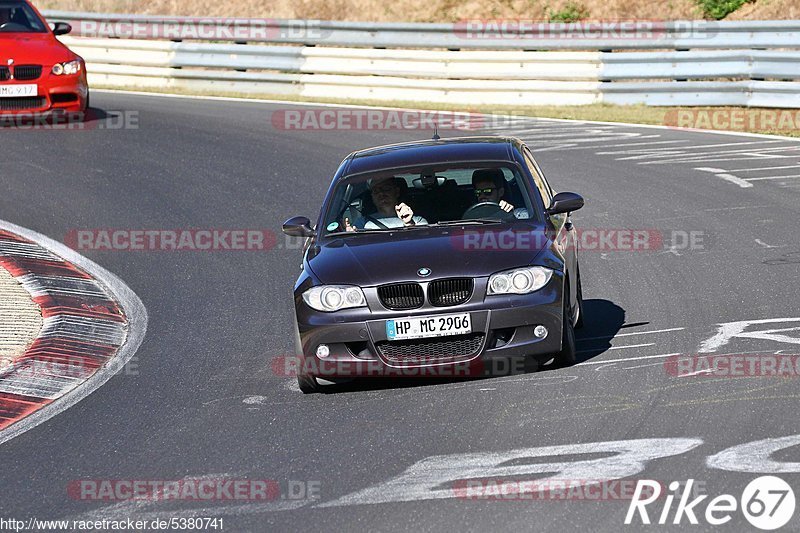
(13, 26)
(487, 210)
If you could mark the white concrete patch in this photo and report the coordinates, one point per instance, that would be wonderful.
(128, 301)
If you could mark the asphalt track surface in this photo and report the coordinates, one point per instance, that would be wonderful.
(203, 400)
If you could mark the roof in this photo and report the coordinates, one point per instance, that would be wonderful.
(430, 152)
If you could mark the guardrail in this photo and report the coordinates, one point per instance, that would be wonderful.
(683, 63)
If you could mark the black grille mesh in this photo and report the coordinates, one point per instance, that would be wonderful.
(431, 350)
(447, 292)
(27, 72)
(400, 296)
(5, 74)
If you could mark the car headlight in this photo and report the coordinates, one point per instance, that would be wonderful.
(519, 281)
(67, 69)
(330, 298)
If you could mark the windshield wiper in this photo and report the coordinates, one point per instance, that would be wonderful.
(474, 221)
(356, 232)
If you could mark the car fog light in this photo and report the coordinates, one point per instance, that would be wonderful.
(323, 351)
(540, 332)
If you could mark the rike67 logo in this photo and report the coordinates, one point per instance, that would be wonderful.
(766, 502)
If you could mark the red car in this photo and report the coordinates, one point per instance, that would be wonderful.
(38, 74)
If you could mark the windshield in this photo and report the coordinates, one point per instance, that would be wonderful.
(471, 193)
(18, 17)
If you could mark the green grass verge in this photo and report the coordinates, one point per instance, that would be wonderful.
(784, 122)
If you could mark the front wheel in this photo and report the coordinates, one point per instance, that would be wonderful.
(568, 355)
(579, 322)
(307, 384)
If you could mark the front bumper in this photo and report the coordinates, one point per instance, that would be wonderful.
(502, 342)
(56, 94)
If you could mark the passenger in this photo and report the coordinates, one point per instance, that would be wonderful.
(489, 185)
(390, 211)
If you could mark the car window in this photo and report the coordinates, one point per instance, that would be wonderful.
(19, 17)
(539, 181)
(436, 195)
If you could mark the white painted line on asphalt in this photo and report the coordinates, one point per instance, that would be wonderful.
(773, 178)
(762, 168)
(565, 121)
(608, 361)
(621, 347)
(668, 151)
(765, 245)
(624, 144)
(720, 173)
(733, 208)
(729, 330)
(630, 334)
(742, 156)
(128, 301)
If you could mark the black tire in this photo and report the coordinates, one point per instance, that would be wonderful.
(307, 384)
(568, 355)
(579, 322)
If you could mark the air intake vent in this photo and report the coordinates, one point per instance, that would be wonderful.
(22, 104)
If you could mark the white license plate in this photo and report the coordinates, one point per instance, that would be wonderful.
(428, 326)
(13, 91)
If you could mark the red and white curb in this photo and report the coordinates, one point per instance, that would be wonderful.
(92, 325)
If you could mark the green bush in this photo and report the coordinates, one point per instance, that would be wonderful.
(719, 9)
(572, 12)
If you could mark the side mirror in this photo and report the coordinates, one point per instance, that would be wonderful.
(61, 28)
(298, 227)
(565, 202)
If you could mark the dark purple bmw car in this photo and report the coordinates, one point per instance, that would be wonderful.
(438, 258)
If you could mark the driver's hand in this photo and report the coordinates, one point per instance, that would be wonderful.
(505, 206)
(348, 226)
(405, 213)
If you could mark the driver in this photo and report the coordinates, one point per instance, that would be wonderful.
(489, 185)
(390, 211)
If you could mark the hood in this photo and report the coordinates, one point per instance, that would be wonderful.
(469, 251)
(33, 48)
